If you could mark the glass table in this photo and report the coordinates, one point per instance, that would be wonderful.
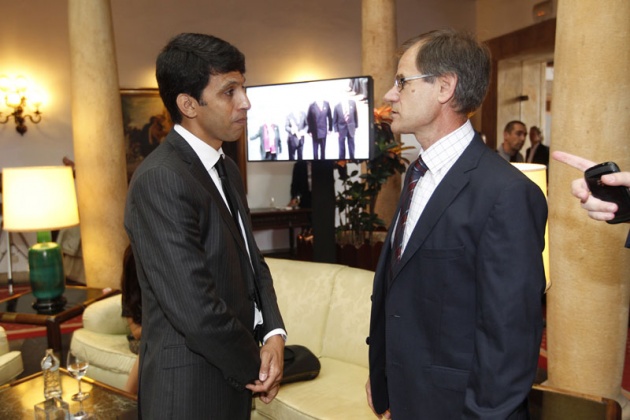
(18, 399)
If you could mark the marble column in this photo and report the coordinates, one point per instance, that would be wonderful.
(587, 305)
(379, 60)
(99, 147)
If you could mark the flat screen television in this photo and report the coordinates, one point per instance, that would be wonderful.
(328, 119)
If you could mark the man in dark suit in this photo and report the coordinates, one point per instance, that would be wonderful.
(207, 294)
(456, 318)
(538, 153)
(345, 123)
(295, 127)
(319, 120)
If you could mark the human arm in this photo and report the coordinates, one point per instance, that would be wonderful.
(596, 208)
(136, 329)
(368, 391)
(510, 281)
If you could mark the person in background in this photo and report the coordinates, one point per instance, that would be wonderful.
(212, 332)
(319, 121)
(296, 128)
(345, 123)
(538, 152)
(456, 320)
(514, 136)
(132, 311)
(301, 185)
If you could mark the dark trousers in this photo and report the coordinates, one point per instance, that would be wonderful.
(295, 147)
(342, 146)
(319, 145)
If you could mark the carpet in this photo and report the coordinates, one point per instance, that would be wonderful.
(24, 331)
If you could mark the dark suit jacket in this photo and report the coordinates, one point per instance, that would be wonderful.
(339, 122)
(540, 156)
(198, 350)
(319, 120)
(456, 325)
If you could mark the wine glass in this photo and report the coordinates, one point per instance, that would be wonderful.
(77, 366)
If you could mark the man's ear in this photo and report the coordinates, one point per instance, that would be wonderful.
(447, 83)
(187, 105)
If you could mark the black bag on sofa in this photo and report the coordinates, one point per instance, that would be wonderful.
(300, 364)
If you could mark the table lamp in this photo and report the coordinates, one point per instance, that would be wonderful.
(41, 199)
(538, 174)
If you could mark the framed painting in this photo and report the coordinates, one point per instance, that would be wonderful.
(146, 122)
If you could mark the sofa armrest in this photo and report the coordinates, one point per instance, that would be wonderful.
(105, 316)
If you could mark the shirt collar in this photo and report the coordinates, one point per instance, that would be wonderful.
(208, 155)
(448, 148)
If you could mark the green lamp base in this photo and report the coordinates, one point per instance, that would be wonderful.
(48, 280)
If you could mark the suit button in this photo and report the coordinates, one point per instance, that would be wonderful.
(367, 341)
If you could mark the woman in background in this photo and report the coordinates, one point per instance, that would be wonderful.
(132, 310)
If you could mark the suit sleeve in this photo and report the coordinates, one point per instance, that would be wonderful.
(163, 221)
(509, 269)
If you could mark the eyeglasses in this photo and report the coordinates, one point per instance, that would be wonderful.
(399, 82)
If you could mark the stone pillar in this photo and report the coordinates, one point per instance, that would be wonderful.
(587, 305)
(99, 147)
(379, 60)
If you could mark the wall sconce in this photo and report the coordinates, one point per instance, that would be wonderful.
(18, 96)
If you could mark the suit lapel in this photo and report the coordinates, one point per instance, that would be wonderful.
(199, 172)
(449, 188)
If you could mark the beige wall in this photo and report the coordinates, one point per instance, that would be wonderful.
(283, 41)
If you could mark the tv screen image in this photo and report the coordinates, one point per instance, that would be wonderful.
(327, 119)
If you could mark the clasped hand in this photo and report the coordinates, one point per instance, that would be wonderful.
(271, 366)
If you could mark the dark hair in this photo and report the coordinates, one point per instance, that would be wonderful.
(186, 64)
(131, 295)
(447, 51)
(510, 126)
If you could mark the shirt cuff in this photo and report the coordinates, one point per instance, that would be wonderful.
(277, 331)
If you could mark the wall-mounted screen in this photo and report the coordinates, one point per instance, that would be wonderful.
(328, 119)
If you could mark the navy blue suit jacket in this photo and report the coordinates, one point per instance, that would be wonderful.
(456, 325)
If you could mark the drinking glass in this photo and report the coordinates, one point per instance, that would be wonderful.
(77, 366)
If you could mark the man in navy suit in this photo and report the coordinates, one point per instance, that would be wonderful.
(456, 318)
(319, 120)
(208, 301)
(345, 123)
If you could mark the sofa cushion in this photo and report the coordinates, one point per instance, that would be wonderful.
(304, 291)
(348, 317)
(337, 393)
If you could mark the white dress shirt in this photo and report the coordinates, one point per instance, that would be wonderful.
(439, 158)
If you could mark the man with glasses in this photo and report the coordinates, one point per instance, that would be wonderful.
(514, 136)
(456, 319)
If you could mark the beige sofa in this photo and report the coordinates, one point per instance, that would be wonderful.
(325, 308)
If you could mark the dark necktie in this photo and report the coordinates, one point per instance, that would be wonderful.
(418, 169)
(227, 190)
(231, 200)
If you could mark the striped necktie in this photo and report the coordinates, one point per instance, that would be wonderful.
(418, 169)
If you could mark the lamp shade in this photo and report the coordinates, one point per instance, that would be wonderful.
(38, 198)
(538, 174)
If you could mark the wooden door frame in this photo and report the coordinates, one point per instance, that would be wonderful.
(536, 39)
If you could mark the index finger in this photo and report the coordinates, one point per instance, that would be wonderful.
(572, 160)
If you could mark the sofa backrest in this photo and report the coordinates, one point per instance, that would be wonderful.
(325, 307)
(105, 316)
(349, 317)
(304, 290)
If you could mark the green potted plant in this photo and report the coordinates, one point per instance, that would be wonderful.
(355, 202)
